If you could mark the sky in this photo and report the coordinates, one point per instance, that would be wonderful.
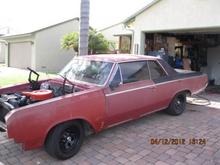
(28, 15)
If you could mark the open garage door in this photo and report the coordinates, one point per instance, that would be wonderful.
(20, 55)
(202, 48)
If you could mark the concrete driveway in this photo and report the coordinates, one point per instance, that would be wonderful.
(130, 143)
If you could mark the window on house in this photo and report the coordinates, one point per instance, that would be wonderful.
(125, 44)
(156, 70)
(134, 71)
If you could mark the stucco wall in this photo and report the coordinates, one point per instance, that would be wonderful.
(173, 15)
(214, 64)
(49, 55)
(2, 52)
(181, 14)
(114, 30)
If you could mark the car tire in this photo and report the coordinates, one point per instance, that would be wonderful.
(65, 140)
(177, 105)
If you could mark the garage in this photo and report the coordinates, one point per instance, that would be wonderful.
(179, 29)
(20, 55)
(36, 49)
(201, 48)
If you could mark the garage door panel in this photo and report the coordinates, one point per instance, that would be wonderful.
(20, 55)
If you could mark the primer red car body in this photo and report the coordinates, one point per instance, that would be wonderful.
(101, 106)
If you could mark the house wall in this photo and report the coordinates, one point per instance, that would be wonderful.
(49, 55)
(2, 52)
(213, 59)
(181, 15)
(110, 32)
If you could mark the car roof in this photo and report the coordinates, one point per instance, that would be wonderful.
(118, 58)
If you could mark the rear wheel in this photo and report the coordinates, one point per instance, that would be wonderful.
(178, 105)
(65, 140)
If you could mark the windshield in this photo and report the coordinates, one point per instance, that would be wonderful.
(95, 72)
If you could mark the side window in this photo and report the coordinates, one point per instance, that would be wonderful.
(117, 77)
(156, 70)
(134, 71)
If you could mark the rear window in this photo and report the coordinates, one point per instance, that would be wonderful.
(156, 70)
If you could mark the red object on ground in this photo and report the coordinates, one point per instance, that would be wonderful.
(39, 95)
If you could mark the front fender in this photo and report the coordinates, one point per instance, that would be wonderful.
(31, 124)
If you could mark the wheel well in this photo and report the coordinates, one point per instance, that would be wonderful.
(88, 129)
(187, 92)
(86, 126)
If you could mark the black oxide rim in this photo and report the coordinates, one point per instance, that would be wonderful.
(69, 140)
(180, 103)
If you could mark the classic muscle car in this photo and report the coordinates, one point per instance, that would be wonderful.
(92, 93)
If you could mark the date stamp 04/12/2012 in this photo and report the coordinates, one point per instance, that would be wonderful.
(178, 141)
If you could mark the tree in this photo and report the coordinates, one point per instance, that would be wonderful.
(70, 41)
(84, 27)
(97, 42)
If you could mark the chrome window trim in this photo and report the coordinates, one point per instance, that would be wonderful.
(149, 69)
(120, 74)
(109, 76)
(170, 81)
(149, 86)
(161, 67)
(129, 90)
(113, 73)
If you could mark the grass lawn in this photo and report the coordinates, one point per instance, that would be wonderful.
(12, 76)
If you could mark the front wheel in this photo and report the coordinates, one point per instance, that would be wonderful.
(65, 140)
(177, 105)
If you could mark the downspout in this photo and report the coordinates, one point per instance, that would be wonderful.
(132, 39)
(7, 51)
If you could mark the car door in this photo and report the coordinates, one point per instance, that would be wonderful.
(131, 96)
(163, 86)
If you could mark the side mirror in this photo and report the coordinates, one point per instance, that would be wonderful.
(114, 84)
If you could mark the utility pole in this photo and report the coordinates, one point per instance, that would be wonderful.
(84, 27)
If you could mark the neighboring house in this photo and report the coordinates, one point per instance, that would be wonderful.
(2, 52)
(185, 27)
(119, 35)
(40, 49)
(3, 31)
